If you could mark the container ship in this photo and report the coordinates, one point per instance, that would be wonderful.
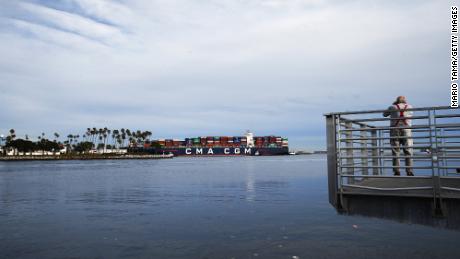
(247, 145)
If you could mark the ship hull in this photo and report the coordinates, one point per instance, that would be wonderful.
(214, 151)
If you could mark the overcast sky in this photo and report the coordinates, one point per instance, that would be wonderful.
(216, 67)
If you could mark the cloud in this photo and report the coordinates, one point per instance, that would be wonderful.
(182, 68)
(72, 22)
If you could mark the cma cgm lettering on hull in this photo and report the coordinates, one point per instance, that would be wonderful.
(210, 151)
(246, 145)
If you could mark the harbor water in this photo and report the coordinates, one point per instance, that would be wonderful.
(206, 207)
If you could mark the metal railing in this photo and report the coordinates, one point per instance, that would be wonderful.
(360, 152)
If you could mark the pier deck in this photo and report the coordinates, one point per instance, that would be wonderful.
(407, 187)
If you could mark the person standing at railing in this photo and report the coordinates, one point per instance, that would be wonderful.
(401, 135)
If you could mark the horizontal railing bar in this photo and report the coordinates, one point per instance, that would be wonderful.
(415, 143)
(377, 138)
(356, 142)
(344, 125)
(346, 166)
(387, 166)
(381, 111)
(390, 159)
(385, 176)
(388, 189)
(385, 132)
(405, 127)
(341, 119)
(452, 136)
(356, 170)
(401, 147)
(355, 163)
(447, 116)
(385, 129)
(386, 156)
(387, 119)
(383, 147)
(449, 167)
(450, 188)
(451, 129)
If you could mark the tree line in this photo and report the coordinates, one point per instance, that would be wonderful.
(93, 138)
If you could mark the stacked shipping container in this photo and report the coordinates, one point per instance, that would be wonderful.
(223, 141)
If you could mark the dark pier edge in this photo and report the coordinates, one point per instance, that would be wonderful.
(332, 161)
(413, 210)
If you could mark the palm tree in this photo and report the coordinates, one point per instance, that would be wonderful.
(123, 133)
(12, 134)
(105, 132)
(100, 132)
(129, 134)
(27, 138)
(10, 138)
(119, 140)
(75, 139)
(100, 140)
(106, 136)
(41, 139)
(66, 143)
(147, 135)
(131, 140)
(56, 136)
(69, 142)
(138, 136)
(123, 137)
(94, 134)
(88, 133)
(115, 134)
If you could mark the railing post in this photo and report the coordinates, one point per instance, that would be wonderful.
(437, 180)
(441, 154)
(434, 162)
(349, 145)
(375, 153)
(332, 159)
(364, 154)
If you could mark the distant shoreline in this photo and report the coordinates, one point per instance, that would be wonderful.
(81, 157)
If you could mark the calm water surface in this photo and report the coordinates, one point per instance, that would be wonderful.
(225, 207)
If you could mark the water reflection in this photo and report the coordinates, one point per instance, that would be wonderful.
(250, 190)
